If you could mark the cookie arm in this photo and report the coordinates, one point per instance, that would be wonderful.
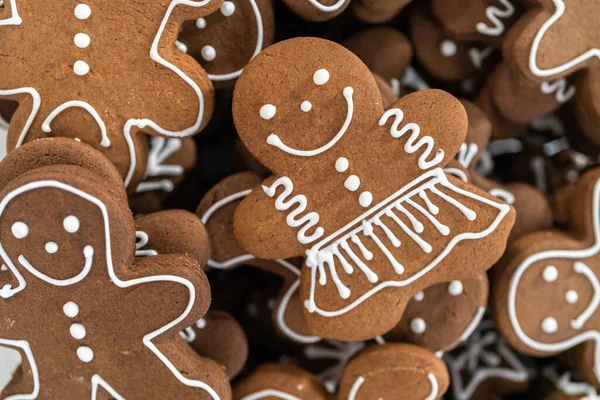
(262, 230)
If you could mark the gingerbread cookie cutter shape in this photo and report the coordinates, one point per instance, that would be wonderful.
(442, 316)
(559, 270)
(216, 211)
(394, 371)
(484, 21)
(280, 381)
(371, 236)
(554, 39)
(169, 160)
(68, 240)
(317, 10)
(486, 365)
(94, 94)
(225, 41)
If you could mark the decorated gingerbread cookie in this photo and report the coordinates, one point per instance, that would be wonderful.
(216, 211)
(168, 162)
(485, 367)
(98, 87)
(280, 381)
(371, 236)
(225, 41)
(565, 385)
(394, 371)
(484, 21)
(444, 315)
(317, 10)
(110, 319)
(558, 270)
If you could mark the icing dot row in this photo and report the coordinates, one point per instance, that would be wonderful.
(82, 40)
(352, 183)
(78, 332)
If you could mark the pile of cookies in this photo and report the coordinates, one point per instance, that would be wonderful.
(300, 199)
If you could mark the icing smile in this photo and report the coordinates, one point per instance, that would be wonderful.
(88, 252)
(274, 140)
(583, 269)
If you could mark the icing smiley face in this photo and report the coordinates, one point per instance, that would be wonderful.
(317, 10)
(225, 41)
(335, 197)
(558, 273)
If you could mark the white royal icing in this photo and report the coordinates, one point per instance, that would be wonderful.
(327, 9)
(494, 14)
(580, 268)
(563, 92)
(160, 149)
(560, 10)
(85, 353)
(270, 394)
(433, 394)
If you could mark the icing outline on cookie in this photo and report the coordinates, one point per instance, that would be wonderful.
(147, 339)
(579, 268)
(327, 9)
(433, 395)
(560, 10)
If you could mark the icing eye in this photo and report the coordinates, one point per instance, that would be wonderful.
(306, 106)
(549, 325)
(71, 224)
(19, 230)
(550, 273)
(455, 288)
(268, 111)
(228, 8)
(208, 53)
(321, 77)
(51, 247)
(571, 297)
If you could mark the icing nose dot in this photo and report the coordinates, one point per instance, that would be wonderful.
(208, 53)
(51, 247)
(550, 273)
(321, 77)
(268, 111)
(549, 325)
(71, 224)
(571, 297)
(19, 230)
(228, 8)
(306, 106)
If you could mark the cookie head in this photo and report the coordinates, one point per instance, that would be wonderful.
(303, 105)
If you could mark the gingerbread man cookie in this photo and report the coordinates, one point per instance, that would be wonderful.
(216, 211)
(556, 271)
(371, 236)
(225, 41)
(95, 87)
(443, 316)
(93, 311)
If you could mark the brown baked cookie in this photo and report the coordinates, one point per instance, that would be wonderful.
(220, 337)
(587, 106)
(216, 211)
(520, 101)
(378, 11)
(280, 381)
(370, 234)
(388, 94)
(533, 208)
(485, 367)
(394, 371)
(444, 315)
(225, 41)
(99, 91)
(502, 128)
(109, 319)
(484, 21)
(317, 10)
(546, 292)
(169, 160)
(443, 56)
(386, 51)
